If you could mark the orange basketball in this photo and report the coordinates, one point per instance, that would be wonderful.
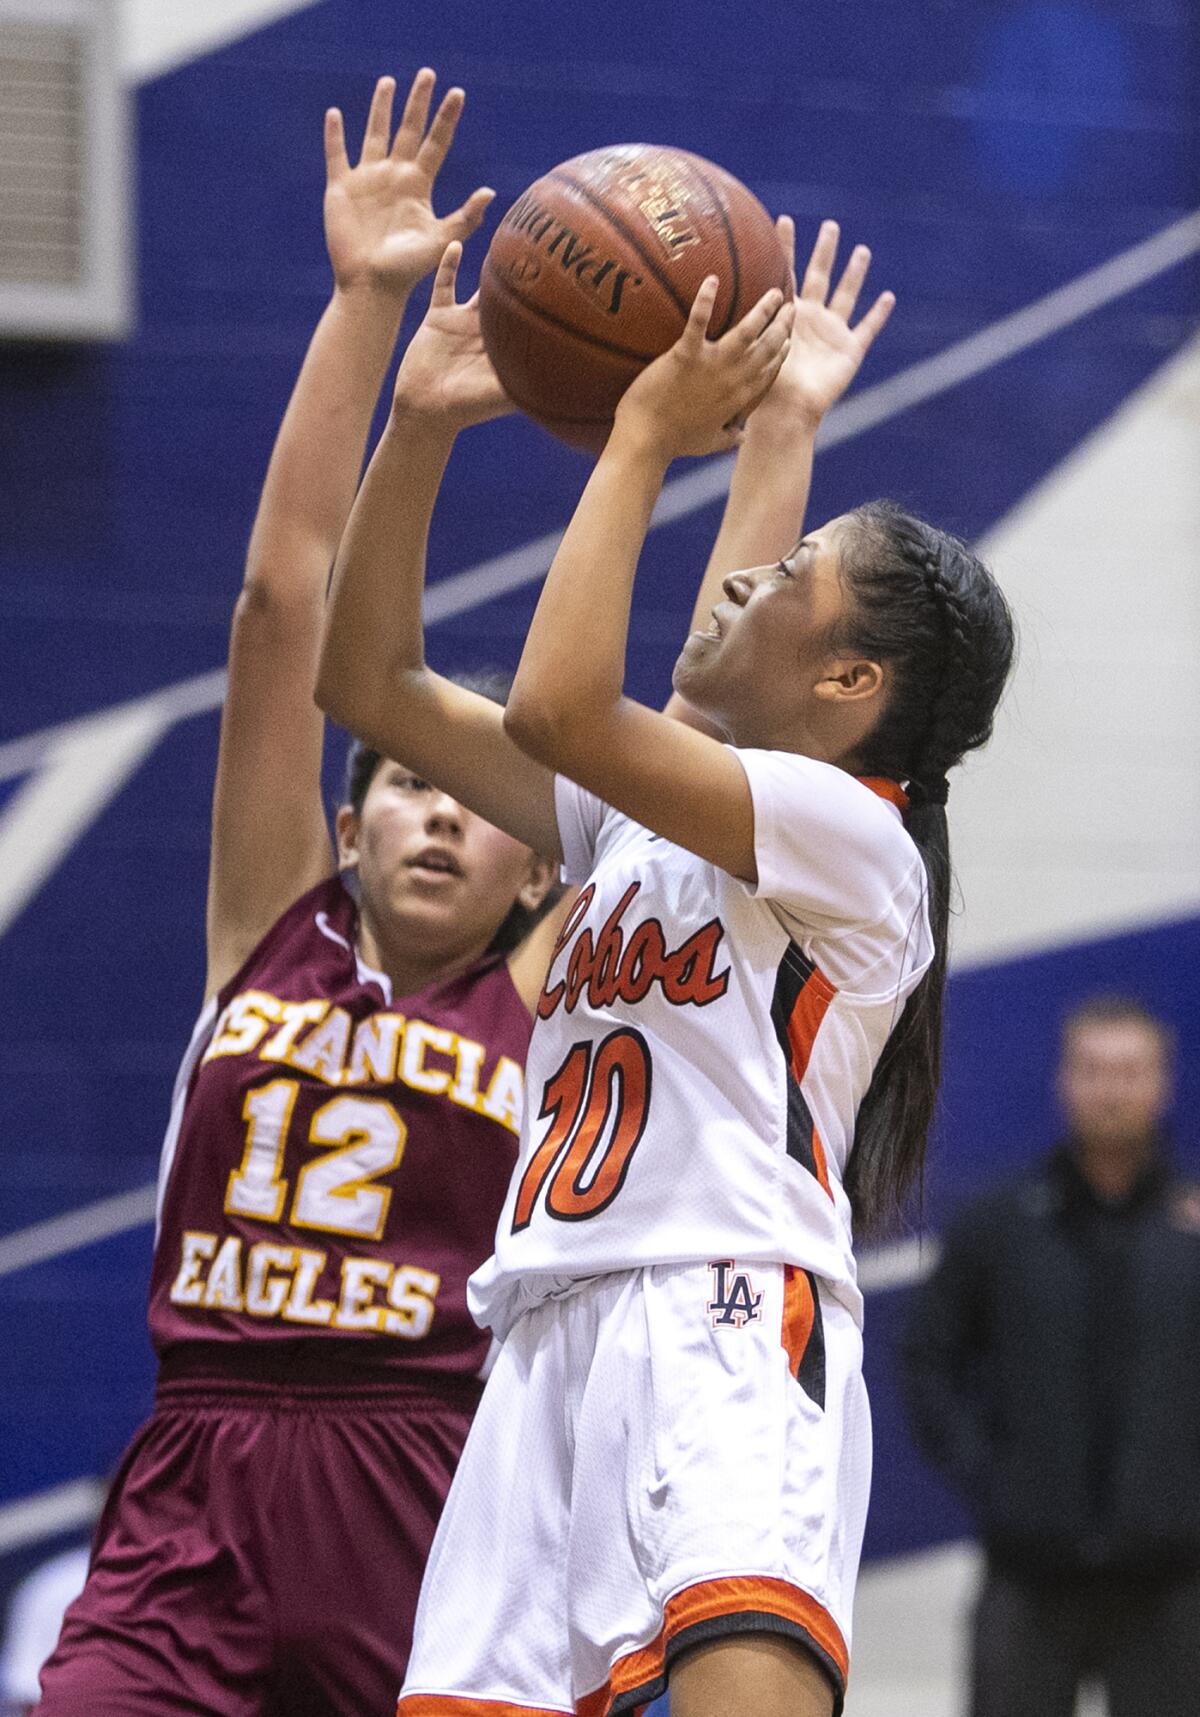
(593, 270)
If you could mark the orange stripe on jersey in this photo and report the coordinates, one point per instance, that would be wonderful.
(454, 1705)
(819, 1162)
(799, 1309)
(892, 791)
(710, 1601)
(804, 1022)
(802, 998)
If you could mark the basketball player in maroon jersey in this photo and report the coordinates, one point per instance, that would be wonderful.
(345, 1120)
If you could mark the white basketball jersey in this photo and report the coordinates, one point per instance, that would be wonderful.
(702, 1045)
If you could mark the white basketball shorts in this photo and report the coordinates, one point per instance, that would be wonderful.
(662, 1457)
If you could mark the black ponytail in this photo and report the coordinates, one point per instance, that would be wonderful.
(929, 610)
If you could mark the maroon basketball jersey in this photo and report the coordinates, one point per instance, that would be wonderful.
(335, 1162)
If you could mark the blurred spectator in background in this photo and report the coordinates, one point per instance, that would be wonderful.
(31, 1630)
(1053, 1375)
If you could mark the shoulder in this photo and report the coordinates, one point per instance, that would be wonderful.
(824, 793)
(836, 864)
(324, 914)
(824, 821)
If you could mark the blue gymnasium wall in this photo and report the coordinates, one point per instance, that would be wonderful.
(988, 152)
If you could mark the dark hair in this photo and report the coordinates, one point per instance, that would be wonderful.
(926, 608)
(1112, 1008)
(363, 760)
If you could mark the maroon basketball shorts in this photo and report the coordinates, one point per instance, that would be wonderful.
(261, 1552)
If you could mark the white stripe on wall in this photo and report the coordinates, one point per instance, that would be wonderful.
(64, 1508)
(58, 1235)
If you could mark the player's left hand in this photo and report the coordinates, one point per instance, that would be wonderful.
(825, 351)
(445, 375)
(696, 396)
(380, 228)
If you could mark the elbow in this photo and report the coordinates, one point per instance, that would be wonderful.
(340, 696)
(325, 695)
(534, 728)
(563, 733)
(329, 700)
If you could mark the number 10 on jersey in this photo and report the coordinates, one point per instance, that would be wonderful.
(597, 1104)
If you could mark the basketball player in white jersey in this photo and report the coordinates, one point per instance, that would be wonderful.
(736, 1051)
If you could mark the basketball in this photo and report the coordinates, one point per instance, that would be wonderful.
(592, 272)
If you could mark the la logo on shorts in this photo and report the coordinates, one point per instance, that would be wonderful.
(734, 1300)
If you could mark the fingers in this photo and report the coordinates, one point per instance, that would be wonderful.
(416, 112)
(875, 318)
(770, 350)
(785, 228)
(465, 220)
(817, 276)
(760, 357)
(756, 321)
(849, 286)
(379, 121)
(336, 160)
(442, 296)
(815, 285)
(701, 312)
(767, 355)
(440, 135)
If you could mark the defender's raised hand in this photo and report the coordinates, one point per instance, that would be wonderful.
(380, 228)
(825, 351)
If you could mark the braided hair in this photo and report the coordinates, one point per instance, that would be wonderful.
(927, 609)
(362, 761)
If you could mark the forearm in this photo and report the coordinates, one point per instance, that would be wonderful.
(373, 678)
(374, 632)
(572, 670)
(764, 515)
(762, 520)
(317, 458)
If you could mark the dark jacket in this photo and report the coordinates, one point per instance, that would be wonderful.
(1052, 1367)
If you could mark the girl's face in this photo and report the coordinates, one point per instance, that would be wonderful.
(429, 868)
(764, 670)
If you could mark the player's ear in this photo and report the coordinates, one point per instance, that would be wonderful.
(346, 829)
(846, 680)
(539, 881)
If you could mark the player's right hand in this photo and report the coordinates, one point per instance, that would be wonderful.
(696, 396)
(446, 374)
(380, 228)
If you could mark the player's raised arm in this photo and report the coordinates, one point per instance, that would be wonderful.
(567, 708)
(373, 677)
(764, 515)
(270, 838)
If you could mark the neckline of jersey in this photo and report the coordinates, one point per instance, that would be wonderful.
(367, 974)
(887, 789)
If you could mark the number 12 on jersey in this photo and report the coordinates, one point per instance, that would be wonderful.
(334, 1191)
(597, 1104)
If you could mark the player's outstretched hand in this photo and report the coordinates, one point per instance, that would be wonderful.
(446, 374)
(380, 228)
(696, 397)
(825, 351)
